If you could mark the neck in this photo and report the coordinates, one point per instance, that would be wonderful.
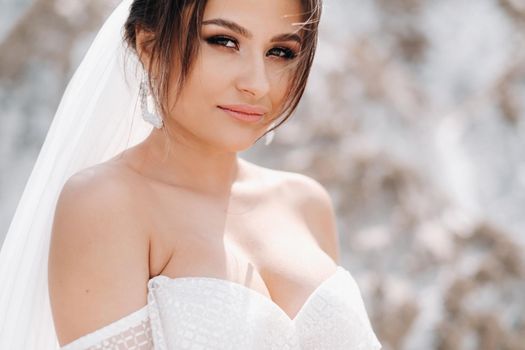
(179, 161)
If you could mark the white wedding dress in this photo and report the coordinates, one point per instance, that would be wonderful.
(212, 313)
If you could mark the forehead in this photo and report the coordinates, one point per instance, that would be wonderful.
(271, 16)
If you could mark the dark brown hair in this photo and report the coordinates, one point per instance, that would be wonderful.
(174, 42)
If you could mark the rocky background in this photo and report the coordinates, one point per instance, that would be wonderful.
(414, 119)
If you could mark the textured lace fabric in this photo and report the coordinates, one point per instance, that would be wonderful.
(132, 332)
(211, 313)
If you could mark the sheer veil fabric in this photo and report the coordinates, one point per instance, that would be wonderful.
(96, 119)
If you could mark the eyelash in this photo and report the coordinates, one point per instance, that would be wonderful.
(215, 40)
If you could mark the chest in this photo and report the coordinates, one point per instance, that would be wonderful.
(267, 248)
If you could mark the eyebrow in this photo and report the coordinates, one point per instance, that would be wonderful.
(247, 34)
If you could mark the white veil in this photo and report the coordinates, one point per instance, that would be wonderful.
(96, 119)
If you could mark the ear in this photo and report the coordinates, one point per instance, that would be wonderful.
(144, 43)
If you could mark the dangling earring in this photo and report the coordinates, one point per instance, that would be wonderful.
(150, 117)
(270, 135)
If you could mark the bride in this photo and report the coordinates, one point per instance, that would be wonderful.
(157, 235)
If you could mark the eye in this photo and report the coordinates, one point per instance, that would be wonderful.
(284, 53)
(222, 41)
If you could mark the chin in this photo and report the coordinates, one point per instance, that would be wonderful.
(237, 144)
(231, 136)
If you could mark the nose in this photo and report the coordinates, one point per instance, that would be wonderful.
(254, 79)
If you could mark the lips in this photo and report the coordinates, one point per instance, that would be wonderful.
(243, 116)
(246, 109)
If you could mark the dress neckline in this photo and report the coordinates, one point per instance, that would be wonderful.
(171, 280)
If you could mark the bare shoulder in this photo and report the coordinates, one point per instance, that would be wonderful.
(304, 192)
(314, 204)
(103, 190)
(308, 193)
(98, 256)
(102, 180)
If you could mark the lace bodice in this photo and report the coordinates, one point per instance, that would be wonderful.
(212, 313)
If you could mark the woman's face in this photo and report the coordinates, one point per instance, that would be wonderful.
(251, 65)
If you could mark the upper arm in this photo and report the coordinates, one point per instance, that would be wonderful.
(98, 257)
(317, 208)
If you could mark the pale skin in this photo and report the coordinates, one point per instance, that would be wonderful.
(202, 210)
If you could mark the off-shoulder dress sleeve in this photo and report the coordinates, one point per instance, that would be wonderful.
(132, 332)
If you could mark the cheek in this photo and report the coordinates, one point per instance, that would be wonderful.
(280, 88)
(213, 67)
(212, 76)
(203, 83)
